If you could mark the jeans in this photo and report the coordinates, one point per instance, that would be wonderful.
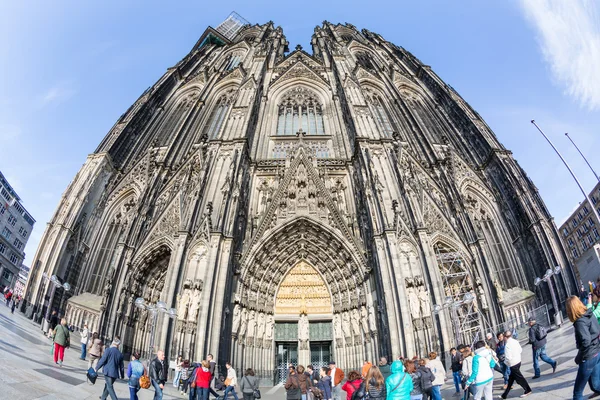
(516, 376)
(457, 380)
(248, 396)
(158, 392)
(232, 390)
(176, 379)
(436, 393)
(541, 353)
(202, 393)
(588, 371)
(83, 350)
(133, 393)
(109, 389)
(505, 371)
(336, 392)
(484, 391)
(416, 397)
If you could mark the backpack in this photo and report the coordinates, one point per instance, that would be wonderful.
(359, 393)
(427, 378)
(540, 333)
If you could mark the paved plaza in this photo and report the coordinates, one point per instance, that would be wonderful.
(27, 370)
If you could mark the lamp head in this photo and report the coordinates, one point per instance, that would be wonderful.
(437, 308)
(66, 286)
(537, 281)
(557, 269)
(468, 297)
(161, 306)
(140, 303)
(448, 300)
(54, 279)
(172, 313)
(548, 273)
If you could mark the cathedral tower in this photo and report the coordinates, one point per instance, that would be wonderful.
(298, 207)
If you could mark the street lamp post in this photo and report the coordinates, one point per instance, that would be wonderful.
(54, 282)
(548, 278)
(468, 298)
(154, 309)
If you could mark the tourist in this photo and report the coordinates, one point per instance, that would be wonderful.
(500, 354)
(62, 340)
(482, 373)
(135, 370)
(292, 385)
(456, 366)
(537, 337)
(249, 384)
(95, 351)
(384, 367)
(337, 376)
(158, 374)
(230, 382)
(324, 383)
(8, 297)
(427, 378)
(312, 374)
(467, 370)
(52, 323)
(213, 369)
(417, 377)
(202, 380)
(399, 385)
(177, 374)
(583, 295)
(436, 366)
(352, 384)
(512, 358)
(490, 341)
(112, 368)
(84, 339)
(375, 384)
(365, 368)
(587, 330)
(185, 365)
(14, 304)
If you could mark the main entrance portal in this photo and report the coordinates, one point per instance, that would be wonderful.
(287, 353)
(320, 354)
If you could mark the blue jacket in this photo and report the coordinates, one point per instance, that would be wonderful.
(112, 361)
(399, 384)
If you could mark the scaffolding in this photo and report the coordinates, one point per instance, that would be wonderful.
(460, 294)
(232, 25)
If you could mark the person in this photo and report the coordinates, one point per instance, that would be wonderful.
(456, 366)
(384, 367)
(62, 340)
(248, 384)
(586, 329)
(512, 358)
(158, 374)
(482, 373)
(213, 369)
(427, 378)
(312, 374)
(337, 376)
(467, 369)
(135, 370)
(185, 365)
(202, 378)
(177, 374)
(8, 296)
(305, 382)
(436, 366)
(292, 385)
(188, 383)
(537, 338)
(230, 382)
(416, 376)
(399, 384)
(324, 383)
(52, 323)
(365, 368)
(374, 384)
(84, 339)
(14, 304)
(96, 349)
(352, 384)
(500, 354)
(583, 295)
(112, 368)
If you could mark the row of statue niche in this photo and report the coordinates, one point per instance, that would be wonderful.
(419, 302)
(251, 323)
(350, 323)
(188, 301)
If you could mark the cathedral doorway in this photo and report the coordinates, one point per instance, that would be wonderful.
(287, 353)
(320, 354)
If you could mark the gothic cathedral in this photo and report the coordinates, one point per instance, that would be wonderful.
(296, 207)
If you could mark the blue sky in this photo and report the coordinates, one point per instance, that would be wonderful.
(69, 69)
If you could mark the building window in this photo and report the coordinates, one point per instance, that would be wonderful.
(584, 245)
(365, 60)
(585, 210)
(2, 248)
(18, 244)
(300, 109)
(2, 209)
(574, 252)
(24, 234)
(594, 199)
(579, 234)
(590, 240)
(596, 235)
(574, 222)
(571, 243)
(590, 222)
(6, 233)
(7, 275)
(565, 231)
(579, 216)
(13, 258)
(219, 113)
(381, 115)
(234, 61)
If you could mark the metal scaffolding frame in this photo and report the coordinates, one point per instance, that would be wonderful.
(232, 25)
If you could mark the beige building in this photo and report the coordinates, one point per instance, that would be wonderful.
(296, 207)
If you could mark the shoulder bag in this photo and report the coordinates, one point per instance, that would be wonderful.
(295, 391)
(256, 392)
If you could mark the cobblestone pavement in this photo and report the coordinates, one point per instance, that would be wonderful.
(27, 370)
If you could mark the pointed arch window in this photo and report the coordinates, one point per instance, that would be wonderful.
(218, 115)
(300, 109)
(233, 61)
(365, 60)
(380, 113)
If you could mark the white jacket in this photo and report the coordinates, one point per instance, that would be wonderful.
(438, 370)
(512, 352)
(85, 335)
(232, 376)
(466, 365)
(481, 370)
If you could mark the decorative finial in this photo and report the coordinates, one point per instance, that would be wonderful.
(298, 47)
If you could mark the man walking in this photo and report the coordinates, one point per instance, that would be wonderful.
(158, 374)
(337, 376)
(84, 339)
(456, 359)
(537, 338)
(112, 361)
(212, 369)
(512, 358)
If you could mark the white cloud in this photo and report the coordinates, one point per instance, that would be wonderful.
(569, 36)
(58, 93)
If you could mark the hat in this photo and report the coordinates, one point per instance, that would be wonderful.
(331, 362)
(531, 319)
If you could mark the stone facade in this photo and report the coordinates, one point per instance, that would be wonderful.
(297, 207)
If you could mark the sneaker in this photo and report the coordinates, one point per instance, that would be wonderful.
(526, 394)
(536, 377)
(554, 366)
(60, 363)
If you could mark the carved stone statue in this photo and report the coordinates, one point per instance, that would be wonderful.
(303, 329)
(346, 324)
(269, 328)
(252, 324)
(337, 326)
(414, 304)
(364, 319)
(355, 322)
(499, 290)
(195, 302)
(236, 319)
(243, 323)
(482, 298)
(425, 302)
(260, 326)
(183, 301)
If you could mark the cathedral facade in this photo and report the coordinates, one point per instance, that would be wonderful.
(296, 207)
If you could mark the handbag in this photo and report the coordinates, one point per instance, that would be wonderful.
(144, 381)
(92, 375)
(228, 382)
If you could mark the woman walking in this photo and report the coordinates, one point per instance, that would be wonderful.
(203, 380)
(352, 384)
(135, 370)
(375, 384)
(95, 351)
(292, 385)
(324, 383)
(62, 340)
(587, 330)
(436, 366)
(230, 382)
(248, 384)
(177, 375)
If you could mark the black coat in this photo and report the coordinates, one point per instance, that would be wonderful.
(158, 370)
(537, 344)
(586, 336)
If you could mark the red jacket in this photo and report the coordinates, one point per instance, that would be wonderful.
(202, 378)
(350, 386)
